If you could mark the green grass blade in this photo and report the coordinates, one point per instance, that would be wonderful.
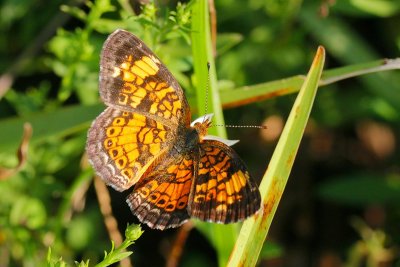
(44, 124)
(258, 92)
(347, 46)
(222, 237)
(206, 80)
(255, 229)
(338, 74)
(248, 94)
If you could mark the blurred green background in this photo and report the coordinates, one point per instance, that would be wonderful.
(341, 206)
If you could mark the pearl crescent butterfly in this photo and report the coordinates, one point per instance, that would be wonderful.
(144, 139)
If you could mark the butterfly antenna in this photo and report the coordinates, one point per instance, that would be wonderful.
(222, 125)
(207, 89)
(241, 126)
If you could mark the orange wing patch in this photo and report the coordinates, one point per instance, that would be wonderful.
(131, 141)
(157, 98)
(161, 200)
(223, 191)
(134, 79)
(136, 71)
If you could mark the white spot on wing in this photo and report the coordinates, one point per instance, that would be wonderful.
(155, 59)
(116, 72)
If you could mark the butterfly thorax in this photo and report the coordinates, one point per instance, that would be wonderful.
(191, 140)
(193, 137)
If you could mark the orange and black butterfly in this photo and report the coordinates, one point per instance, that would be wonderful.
(145, 139)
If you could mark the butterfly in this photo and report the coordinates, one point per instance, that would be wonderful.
(145, 139)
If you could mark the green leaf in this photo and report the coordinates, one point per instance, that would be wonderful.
(252, 93)
(132, 233)
(347, 46)
(226, 41)
(270, 251)
(28, 211)
(79, 233)
(255, 229)
(383, 8)
(221, 236)
(45, 124)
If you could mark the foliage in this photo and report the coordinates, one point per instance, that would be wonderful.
(348, 162)
(254, 230)
(132, 233)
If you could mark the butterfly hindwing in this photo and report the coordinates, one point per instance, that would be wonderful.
(161, 200)
(223, 191)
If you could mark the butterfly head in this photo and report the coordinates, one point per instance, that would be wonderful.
(202, 124)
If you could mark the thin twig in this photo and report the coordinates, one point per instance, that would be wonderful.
(22, 154)
(213, 26)
(177, 248)
(110, 222)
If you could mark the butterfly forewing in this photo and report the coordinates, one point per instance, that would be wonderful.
(132, 78)
(122, 145)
